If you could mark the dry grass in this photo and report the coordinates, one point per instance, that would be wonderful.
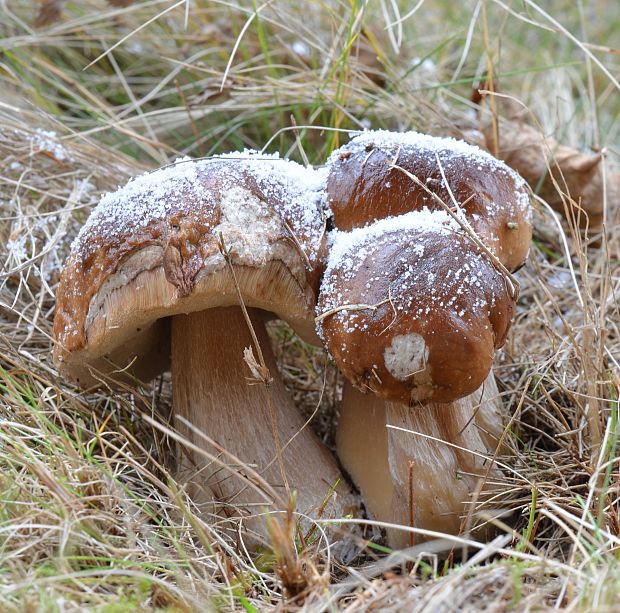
(89, 516)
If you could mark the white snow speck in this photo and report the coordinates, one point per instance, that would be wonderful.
(44, 140)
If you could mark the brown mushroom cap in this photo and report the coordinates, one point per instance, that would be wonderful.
(154, 249)
(411, 212)
(437, 308)
(366, 183)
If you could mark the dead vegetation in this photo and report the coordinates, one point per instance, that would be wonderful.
(90, 517)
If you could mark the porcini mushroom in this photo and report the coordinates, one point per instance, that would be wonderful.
(159, 270)
(416, 297)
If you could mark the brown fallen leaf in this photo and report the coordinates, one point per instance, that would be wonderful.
(573, 182)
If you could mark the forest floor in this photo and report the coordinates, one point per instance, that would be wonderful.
(93, 93)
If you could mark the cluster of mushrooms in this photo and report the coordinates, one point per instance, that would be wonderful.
(396, 256)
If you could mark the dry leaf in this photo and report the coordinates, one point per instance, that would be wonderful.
(576, 177)
(573, 182)
(259, 374)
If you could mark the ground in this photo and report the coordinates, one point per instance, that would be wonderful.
(93, 93)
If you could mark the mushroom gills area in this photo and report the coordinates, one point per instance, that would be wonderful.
(211, 390)
(416, 479)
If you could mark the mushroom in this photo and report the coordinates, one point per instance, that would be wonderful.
(416, 297)
(160, 269)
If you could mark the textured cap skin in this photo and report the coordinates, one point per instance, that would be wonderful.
(154, 249)
(442, 309)
(440, 305)
(365, 185)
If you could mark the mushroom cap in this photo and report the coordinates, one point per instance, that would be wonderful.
(366, 182)
(155, 248)
(405, 209)
(438, 308)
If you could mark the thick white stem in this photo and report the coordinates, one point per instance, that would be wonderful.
(211, 391)
(411, 476)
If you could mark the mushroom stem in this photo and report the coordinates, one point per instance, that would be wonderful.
(212, 392)
(418, 479)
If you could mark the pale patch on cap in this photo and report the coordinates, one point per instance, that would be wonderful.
(406, 356)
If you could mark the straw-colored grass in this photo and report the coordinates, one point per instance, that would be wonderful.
(90, 518)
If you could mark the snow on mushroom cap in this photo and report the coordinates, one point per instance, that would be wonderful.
(155, 195)
(343, 244)
(298, 189)
(419, 142)
(445, 148)
(348, 250)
